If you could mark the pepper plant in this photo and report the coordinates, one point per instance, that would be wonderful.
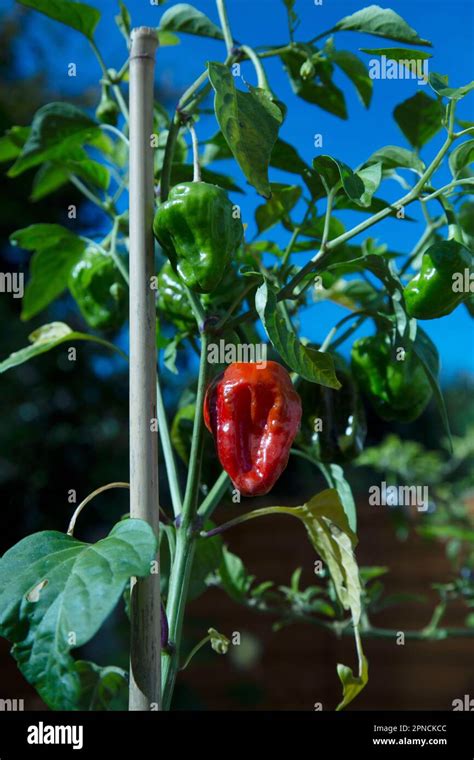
(223, 292)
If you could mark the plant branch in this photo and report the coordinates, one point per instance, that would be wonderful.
(225, 26)
(72, 522)
(214, 497)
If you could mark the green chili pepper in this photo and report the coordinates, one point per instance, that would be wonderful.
(439, 285)
(397, 387)
(198, 231)
(97, 287)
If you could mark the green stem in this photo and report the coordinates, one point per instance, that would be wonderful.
(225, 26)
(186, 539)
(116, 132)
(90, 195)
(449, 186)
(262, 80)
(168, 159)
(214, 497)
(170, 463)
(196, 164)
(194, 651)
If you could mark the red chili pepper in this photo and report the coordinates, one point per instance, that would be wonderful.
(254, 413)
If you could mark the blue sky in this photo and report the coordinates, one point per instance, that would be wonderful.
(449, 26)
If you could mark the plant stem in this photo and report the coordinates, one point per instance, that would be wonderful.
(90, 195)
(72, 522)
(170, 463)
(262, 80)
(224, 21)
(186, 540)
(195, 650)
(196, 164)
(214, 497)
(168, 159)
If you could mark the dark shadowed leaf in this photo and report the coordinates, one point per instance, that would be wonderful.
(419, 118)
(319, 90)
(357, 72)
(284, 198)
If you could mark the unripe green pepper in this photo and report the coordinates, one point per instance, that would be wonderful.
(97, 287)
(397, 388)
(173, 301)
(107, 112)
(197, 230)
(334, 427)
(433, 292)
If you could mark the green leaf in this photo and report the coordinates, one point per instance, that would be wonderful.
(336, 479)
(420, 118)
(352, 685)
(249, 122)
(313, 365)
(286, 157)
(93, 172)
(124, 21)
(12, 142)
(334, 171)
(167, 39)
(101, 689)
(393, 157)
(49, 178)
(57, 251)
(398, 54)
(446, 531)
(79, 16)
(371, 178)
(56, 128)
(181, 431)
(357, 72)
(185, 18)
(55, 590)
(462, 156)
(380, 22)
(233, 576)
(284, 198)
(427, 353)
(322, 92)
(47, 337)
(439, 84)
(207, 560)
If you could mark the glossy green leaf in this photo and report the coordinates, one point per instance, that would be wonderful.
(284, 198)
(427, 353)
(334, 171)
(56, 128)
(420, 118)
(234, 578)
(380, 22)
(313, 365)
(79, 16)
(398, 54)
(249, 122)
(461, 157)
(49, 336)
(393, 157)
(185, 18)
(55, 593)
(49, 178)
(439, 84)
(371, 178)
